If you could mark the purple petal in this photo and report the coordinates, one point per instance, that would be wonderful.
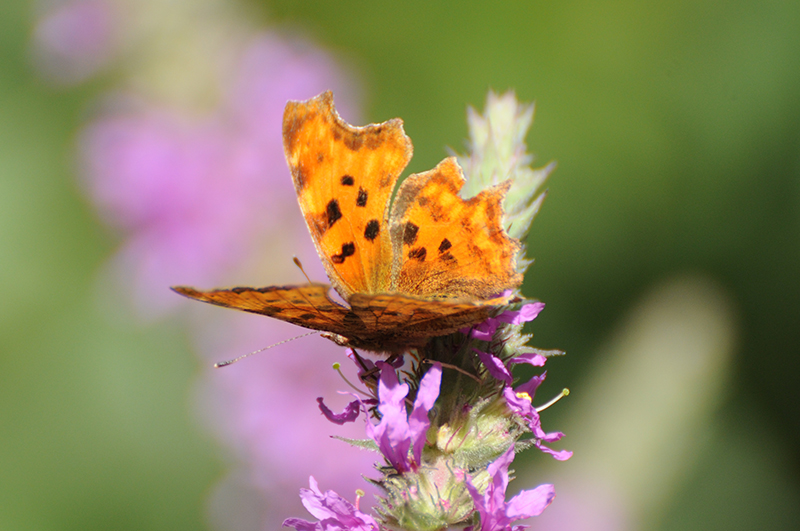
(531, 385)
(349, 414)
(391, 433)
(390, 390)
(562, 455)
(484, 331)
(316, 502)
(499, 467)
(530, 502)
(531, 358)
(498, 470)
(301, 525)
(521, 406)
(334, 512)
(363, 365)
(418, 421)
(494, 366)
(553, 436)
(527, 313)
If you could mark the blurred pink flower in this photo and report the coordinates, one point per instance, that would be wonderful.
(195, 196)
(73, 39)
(264, 409)
(206, 200)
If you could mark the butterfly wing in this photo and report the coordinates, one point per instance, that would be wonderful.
(391, 322)
(447, 247)
(307, 306)
(344, 177)
(414, 316)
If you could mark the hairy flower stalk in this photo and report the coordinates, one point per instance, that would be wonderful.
(449, 421)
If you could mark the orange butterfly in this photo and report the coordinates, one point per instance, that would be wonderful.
(427, 265)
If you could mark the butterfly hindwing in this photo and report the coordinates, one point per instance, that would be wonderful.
(308, 306)
(414, 317)
(344, 177)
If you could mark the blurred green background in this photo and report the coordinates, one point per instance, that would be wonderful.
(676, 127)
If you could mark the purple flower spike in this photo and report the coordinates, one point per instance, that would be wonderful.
(349, 414)
(496, 514)
(334, 512)
(394, 433)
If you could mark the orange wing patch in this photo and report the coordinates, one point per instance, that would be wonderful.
(344, 177)
(433, 264)
(449, 248)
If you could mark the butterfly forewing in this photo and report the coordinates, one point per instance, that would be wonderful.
(344, 177)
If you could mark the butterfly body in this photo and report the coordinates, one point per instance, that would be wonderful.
(426, 265)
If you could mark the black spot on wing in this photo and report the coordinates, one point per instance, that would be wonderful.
(445, 245)
(418, 254)
(410, 233)
(372, 230)
(333, 212)
(361, 200)
(348, 249)
(347, 180)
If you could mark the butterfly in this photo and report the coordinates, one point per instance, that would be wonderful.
(424, 265)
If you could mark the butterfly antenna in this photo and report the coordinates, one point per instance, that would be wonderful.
(234, 360)
(300, 266)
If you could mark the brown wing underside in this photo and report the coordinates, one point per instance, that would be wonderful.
(381, 322)
(307, 306)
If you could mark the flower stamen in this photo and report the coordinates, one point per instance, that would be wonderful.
(564, 392)
(338, 368)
